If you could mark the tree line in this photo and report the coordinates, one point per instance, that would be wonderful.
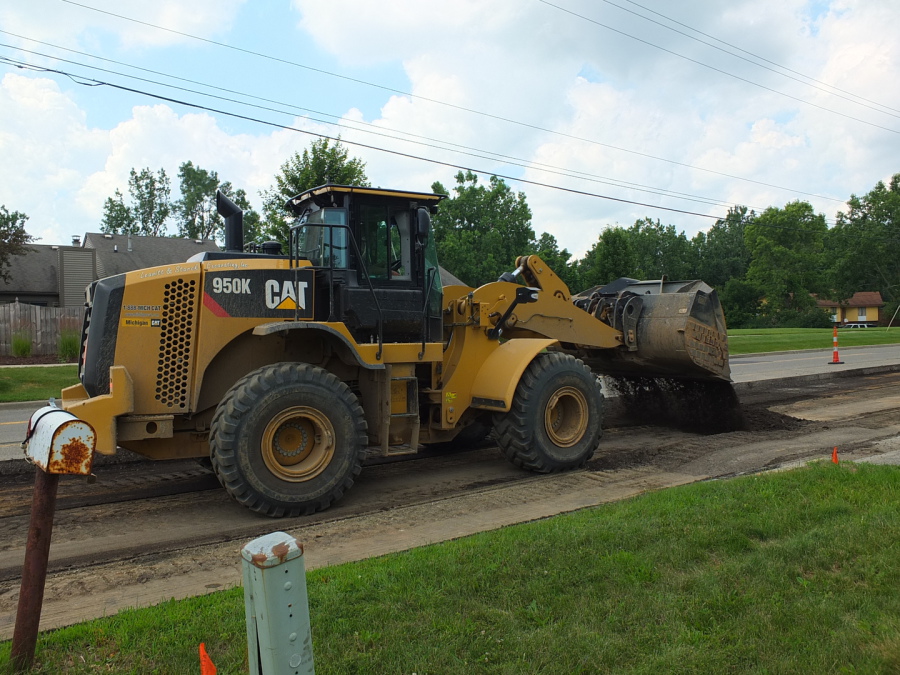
(768, 267)
(149, 208)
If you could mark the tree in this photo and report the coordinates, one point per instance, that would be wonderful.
(610, 257)
(149, 208)
(741, 302)
(323, 162)
(721, 252)
(865, 241)
(481, 230)
(196, 210)
(150, 201)
(117, 217)
(659, 250)
(14, 239)
(787, 249)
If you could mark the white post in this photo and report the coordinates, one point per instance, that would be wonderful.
(279, 638)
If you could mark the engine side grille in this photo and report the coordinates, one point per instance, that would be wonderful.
(176, 343)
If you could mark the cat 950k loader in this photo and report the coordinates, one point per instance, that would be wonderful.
(289, 370)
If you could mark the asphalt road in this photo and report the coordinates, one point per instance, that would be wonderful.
(13, 424)
(744, 368)
(771, 365)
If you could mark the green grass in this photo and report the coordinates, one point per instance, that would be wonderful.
(793, 572)
(753, 341)
(35, 383)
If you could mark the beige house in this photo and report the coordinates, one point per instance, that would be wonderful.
(863, 307)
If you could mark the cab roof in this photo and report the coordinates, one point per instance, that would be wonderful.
(295, 204)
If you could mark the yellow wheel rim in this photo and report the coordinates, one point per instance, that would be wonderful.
(298, 443)
(566, 417)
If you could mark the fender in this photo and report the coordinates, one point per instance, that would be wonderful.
(349, 351)
(499, 375)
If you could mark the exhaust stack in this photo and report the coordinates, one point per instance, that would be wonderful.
(234, 222)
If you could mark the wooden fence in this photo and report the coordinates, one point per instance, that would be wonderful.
(42, 326)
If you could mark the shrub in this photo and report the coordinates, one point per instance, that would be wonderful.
(67, 347)
(21, 345)
(811, 318)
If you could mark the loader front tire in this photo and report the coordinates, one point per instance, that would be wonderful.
(288, 439)
(554, 421)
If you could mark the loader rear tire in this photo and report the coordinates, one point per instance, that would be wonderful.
(554, 421)
(288, 439)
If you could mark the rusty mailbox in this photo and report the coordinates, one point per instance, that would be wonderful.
(59, 443)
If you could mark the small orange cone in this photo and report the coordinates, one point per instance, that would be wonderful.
(835, 359)
(206, 664)
(834, 457)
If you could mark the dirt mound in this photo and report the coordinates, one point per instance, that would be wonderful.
(702, 406)
(761, 419)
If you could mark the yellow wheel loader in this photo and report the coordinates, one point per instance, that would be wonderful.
(289, 369)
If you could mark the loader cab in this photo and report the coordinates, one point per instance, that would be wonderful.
(374, 258)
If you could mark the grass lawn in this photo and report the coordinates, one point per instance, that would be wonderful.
(793, 572)
(35, 383)
(753, 341)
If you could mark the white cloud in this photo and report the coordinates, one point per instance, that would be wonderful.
(526, 62)
(45, 144)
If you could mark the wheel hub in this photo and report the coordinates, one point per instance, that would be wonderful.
(298, 443)
(290, 440)
(566, 417)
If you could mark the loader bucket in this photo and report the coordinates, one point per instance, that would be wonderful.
(670, 329)
(673, 364)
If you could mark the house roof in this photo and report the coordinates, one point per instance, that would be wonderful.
(118, 253)
(33, 272)
(36, 272)
(860, 299)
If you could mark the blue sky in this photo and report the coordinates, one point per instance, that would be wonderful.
(587, 95)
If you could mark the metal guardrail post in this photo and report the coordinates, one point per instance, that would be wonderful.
(279, 639)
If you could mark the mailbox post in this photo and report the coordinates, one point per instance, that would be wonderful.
(57, 443)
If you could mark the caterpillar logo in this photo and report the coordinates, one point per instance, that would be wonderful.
(286, 294)
(275, 294)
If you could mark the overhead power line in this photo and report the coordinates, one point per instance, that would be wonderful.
(444, 103)
(364, 127)
(807, 80)
(713, 68)
(92, 82)
(749, 53)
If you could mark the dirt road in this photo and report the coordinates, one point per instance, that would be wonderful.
(110, 556)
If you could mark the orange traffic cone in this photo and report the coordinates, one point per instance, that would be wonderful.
(206, 664)
(835, 359)
(834, 457)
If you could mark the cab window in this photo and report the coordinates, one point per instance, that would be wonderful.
(385, 243)
(323, 246)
